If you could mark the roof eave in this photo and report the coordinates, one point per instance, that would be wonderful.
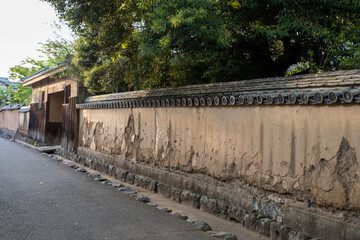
(39, 77)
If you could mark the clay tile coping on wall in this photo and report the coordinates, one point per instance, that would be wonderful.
(24, 109)
(321, 81)
(11, 107)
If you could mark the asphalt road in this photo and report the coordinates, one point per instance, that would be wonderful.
(43, 199)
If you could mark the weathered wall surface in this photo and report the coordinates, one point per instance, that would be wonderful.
(308, 151)
(49, 86)
(23, 125)
(37, 121)
(9, 119)
(70, 127)
(285, 147)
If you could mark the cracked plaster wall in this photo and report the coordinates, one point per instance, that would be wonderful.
(310, 152)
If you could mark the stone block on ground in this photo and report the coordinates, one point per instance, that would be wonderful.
(142, 198)
(179, 216)
(94, 175)
(165, 210)
(203, 226)
(223, 235)
(190, 220)
(130, 192)
(152, 204)
(117, 185)
(70, 165)
(81, 170)
(100, 179)
(107, 182)
(47, 149)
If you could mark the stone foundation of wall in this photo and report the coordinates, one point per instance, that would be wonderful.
(268, 213)
(6, 133)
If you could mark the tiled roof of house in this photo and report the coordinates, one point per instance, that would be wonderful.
(45, 70)
(4, 81)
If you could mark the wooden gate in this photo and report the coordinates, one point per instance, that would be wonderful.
(69, 132)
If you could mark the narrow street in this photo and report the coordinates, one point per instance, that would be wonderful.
(43, 199)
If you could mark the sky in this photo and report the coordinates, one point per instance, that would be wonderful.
(23, 24)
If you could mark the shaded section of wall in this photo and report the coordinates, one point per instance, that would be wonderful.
(24, 115)
(37, 121)
(69, 132)
(53, 133)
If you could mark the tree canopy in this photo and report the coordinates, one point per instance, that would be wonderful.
(140, 44)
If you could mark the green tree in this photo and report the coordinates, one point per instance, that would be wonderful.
(4, 95)
(18, 94)
(54, 51)
(352, 61)
(125, 44)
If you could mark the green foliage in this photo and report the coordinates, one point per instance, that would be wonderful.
(352, 61)
(258, 216)
(55, 51)
(4, 95)
(20, 94)
(26, 68)
(223, 213)
(15, 94)
(125, 44)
